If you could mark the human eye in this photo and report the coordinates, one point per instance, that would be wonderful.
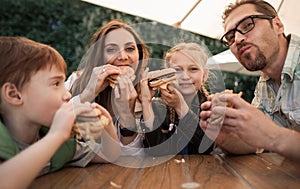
(130, 49)
(230, 35)
(57, 83)
(246, 25)
(194, 69)
(178, 70)
(111, 50)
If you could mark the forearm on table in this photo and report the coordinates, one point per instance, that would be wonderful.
(286, 143)
(110, 146)
(234, 145)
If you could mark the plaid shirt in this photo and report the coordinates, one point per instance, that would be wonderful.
(282, 103)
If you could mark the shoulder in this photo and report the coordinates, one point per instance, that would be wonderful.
(72, 78)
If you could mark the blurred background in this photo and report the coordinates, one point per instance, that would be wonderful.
(68, 25)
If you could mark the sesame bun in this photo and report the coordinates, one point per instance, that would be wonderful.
(125, 71)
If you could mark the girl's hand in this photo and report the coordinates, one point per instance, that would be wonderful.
(173, 98)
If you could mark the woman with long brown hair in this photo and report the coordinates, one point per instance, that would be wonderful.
(115, 45)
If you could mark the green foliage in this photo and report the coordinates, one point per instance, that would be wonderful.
(68, 25)
(53, 22)
(243, 83)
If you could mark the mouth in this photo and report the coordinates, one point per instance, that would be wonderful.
(120, 65)
(243, 49)
(185, 85)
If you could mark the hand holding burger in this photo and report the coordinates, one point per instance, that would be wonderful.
(125, 71)
(216, 119)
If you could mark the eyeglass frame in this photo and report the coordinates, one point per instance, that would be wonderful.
(234, 30)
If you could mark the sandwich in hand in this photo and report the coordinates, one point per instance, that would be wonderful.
(161, 78)
(217, 119)
(88, 124)
(125, 71)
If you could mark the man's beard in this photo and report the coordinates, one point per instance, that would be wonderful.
(259, 62)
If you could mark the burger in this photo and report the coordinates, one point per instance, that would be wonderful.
(216, 119)
(161, 78)
(125, 71)
(85, 122)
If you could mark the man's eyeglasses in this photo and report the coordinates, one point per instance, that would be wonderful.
(243, 27)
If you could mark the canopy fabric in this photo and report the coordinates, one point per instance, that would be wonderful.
(226, 61)
(204, 19)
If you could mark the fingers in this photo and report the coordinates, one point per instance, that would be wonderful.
(172, 97)
(79, 108)
(145, 74)
(206, 105)
(117, 93)
(125, 85)
(108, 69)
(145, 77)
(235, 99)
(90, 130)
(204, 116)
(104, 111)
(102, 72)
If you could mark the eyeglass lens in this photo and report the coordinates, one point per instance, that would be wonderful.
(243, 27)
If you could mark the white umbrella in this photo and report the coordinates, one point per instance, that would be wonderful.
(199, 16)
(226, 61)
(203, 17)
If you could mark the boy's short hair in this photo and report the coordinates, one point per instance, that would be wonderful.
(21, 57)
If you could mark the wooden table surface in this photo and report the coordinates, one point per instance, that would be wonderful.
(267, 170)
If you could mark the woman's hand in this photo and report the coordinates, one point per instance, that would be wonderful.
(123, 101)
(146, 93)
(98, 81)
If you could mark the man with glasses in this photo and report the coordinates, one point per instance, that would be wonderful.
(255, 35)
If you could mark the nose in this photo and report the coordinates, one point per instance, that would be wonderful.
(67, 96)
(184, 74)
(122, 55)
(239, 37)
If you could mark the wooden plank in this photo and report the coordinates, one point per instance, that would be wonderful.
(261, 174)
(65, 178)
(241, 172)
(210, 172)
(168, 174)
(194, 171)
(120, 174)
(286, 165)
(109, 176)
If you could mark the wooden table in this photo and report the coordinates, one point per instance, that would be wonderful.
(267, 170)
